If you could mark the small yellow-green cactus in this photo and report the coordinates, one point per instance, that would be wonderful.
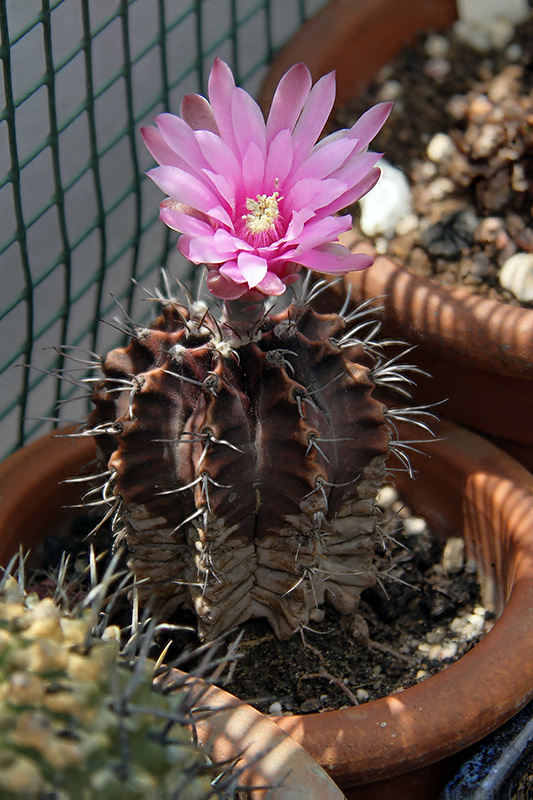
(76, 721)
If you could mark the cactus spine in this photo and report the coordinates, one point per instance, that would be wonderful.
(77, 721)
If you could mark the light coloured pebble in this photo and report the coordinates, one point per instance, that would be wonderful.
(415, 526)
(473, 34)
(438, 652)
(407, 224)
(453, 555)
(391, 90)
(362, 695)
(387, 202)
(437, 68)
(514, 52)
(317, 614)
(387, 495)
(440, 147)
(422, 673)
(275, 708)
(516, 275)
(501, 32)
(436, 45)
(440, 187)
(486, 11)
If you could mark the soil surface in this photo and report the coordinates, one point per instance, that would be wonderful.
(472, 185)
(424, 613)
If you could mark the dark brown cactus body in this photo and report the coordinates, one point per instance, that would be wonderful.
(245, 469)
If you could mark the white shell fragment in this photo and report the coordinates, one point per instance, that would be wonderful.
(387, 203)
(516, 275)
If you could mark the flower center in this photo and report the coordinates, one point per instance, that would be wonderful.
(263, 214)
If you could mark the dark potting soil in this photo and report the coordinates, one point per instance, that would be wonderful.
(424, 612)
(472, 195)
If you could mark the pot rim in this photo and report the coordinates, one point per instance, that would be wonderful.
(448, 711)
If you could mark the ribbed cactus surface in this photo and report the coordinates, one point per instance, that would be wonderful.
(243, 463)
(75, 722)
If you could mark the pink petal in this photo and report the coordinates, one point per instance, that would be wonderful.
(354, 193)
(324, 161)
(314, 116)
(197, 113)
(180, 137)
(221, 88)
(224, 288)
(220, 156)
(289, 99)
(279, 160)
(222, 187)
(334, 258)
(253, 170)
(313, 193)
(252, 267)
(321, 231)
(248, 122)
(205, 250)
(184, 187)
(370, 123)
(231, 271)
(271, 284)
(176, 216)
(159, 149)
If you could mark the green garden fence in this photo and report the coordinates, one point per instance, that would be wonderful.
(79, 218)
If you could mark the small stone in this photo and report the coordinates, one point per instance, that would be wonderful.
(436, 45)
(386, 203)
(362, 695)
(516, 275)
(487, 11)
(415, 526)
(387, 495)
(436, 68)
(311, 704)
(391, 90)
(407, 224)
(453, 555)
(275, 708)
(441, 651)
(514, 52)
(422, 673)
(440, 187)
(473, 34)
(501, 32)
(317, 614)
(440, 147)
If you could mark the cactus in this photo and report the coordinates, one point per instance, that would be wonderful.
(243, 452)
(77, 719)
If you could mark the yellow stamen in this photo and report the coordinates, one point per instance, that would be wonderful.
(263, 214)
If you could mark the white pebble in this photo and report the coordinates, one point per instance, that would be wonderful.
(516, 275)
(514, 52)
(391, 90)
(488, 10)
(389, 201)
(501, 32)
(387, 495)
(414, 526)
(275, 708)
(407, 224)
(440, 187)
(317, 614)
(436, 45)
(440, 147)
(362, 695)
(453, 555)
(471, 33)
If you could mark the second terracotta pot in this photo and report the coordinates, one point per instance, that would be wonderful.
(479, 352)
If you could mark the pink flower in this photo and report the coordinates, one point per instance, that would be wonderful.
(255, 201)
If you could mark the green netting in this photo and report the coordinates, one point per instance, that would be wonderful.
(79, 219)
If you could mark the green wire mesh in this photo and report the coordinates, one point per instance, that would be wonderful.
(79, 218)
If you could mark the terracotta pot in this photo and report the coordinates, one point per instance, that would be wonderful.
(403, 745)
(479, 352)
(33, 503)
